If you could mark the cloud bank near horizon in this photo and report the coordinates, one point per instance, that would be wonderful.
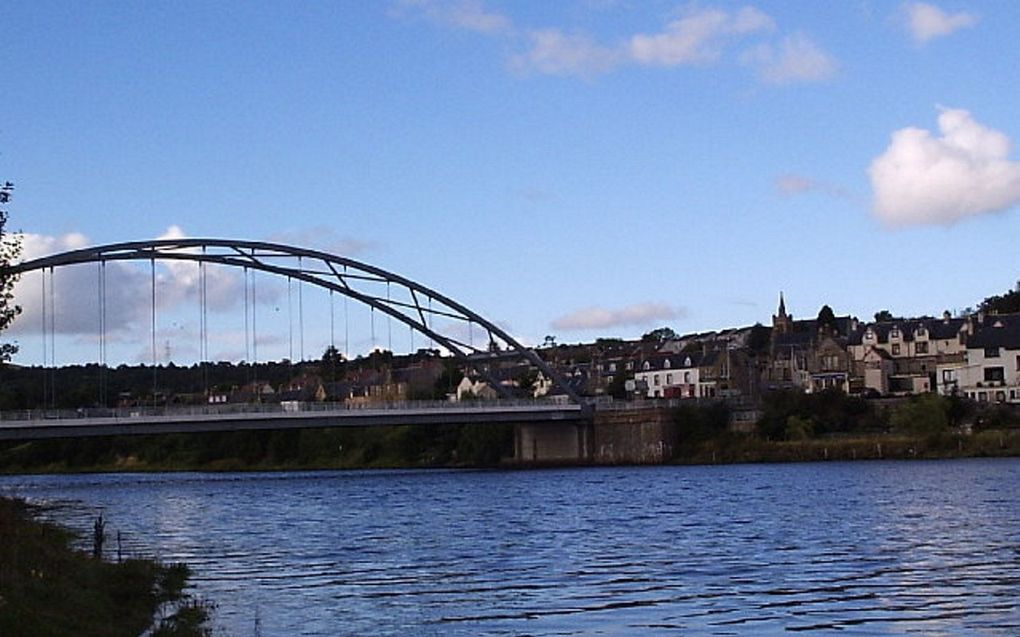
(598, 318)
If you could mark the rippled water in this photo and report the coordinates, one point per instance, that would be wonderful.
(867, 548)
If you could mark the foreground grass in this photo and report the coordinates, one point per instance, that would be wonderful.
(49, 589)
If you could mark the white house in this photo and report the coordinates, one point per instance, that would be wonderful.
(991, 372)
(669, 375)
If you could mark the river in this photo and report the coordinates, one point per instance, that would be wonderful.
(865, 548)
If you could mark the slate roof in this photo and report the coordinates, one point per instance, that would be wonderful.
(938, 329)
(997, 330)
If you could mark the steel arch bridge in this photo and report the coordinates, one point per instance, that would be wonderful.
(411, 303)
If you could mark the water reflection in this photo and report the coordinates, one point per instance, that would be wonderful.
(867, 548)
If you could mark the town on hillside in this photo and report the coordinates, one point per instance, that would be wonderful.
(974, 355)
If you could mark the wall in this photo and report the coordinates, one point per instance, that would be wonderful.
(646, 436)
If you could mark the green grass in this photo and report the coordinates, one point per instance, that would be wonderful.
(48, 589)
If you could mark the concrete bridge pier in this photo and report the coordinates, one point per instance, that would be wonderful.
(563, 442)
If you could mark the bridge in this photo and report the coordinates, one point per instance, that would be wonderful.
(39, 424)
(424, 310)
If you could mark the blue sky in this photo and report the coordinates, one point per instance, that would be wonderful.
(581, 168)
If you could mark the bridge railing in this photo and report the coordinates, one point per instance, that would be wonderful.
(175, 411)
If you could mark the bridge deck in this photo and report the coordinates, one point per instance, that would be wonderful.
(38, 425)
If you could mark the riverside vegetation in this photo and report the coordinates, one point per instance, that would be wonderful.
(50, 589)
(794, 427)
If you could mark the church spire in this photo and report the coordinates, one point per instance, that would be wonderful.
(781, 321)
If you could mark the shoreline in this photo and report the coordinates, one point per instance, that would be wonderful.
(47, 587)
(733, 449)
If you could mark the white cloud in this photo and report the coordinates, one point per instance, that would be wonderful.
(922, 179)
(697, 37)
(462, 14)
(594, 318)
(925, 21)
(796, 59)
(74, 290)
(553, 52)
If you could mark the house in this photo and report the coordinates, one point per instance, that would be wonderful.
(991, 372)
(923, 352)
(829, 364)
(810, 355)
(304, 388)
(669, 376)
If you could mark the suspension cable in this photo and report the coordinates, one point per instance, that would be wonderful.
(347, 322)
(152, 271)
(301, 313)
(247, 351)
(53, 338)
(290, 321)
(45, 351)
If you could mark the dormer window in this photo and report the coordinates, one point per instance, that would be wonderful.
(687, 362)
(647, 366)
(869, 335)
(665, 364)
(920, 332)
(894, 334)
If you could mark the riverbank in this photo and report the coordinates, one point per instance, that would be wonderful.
(453, 447)
(47, 588)
(750, 449)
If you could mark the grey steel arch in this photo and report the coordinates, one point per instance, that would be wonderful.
(415, 304)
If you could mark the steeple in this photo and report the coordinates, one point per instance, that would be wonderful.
(781, 321)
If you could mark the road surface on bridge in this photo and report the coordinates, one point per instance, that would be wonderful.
(73, 424)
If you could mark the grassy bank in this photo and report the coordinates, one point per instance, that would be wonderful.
(292, 449)
(49, 589)
(743, 448)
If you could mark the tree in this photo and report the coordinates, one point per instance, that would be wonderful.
(826, 319)
(659, 335)
(331, 360)
(1006, 303)
(10, 250)
(883, 315)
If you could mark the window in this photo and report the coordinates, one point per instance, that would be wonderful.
(1018, 363)
(656, 380)
(896, 349)
(994, 374)
(1000, 396)
(894, 334)
(612, 367)
(921, 332)
(669, 379)
(921, 347)
(948, 375)
(687, 375)
(991, 352)
(647, 366)
(869, 335)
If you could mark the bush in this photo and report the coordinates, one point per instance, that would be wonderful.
(922, 414)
